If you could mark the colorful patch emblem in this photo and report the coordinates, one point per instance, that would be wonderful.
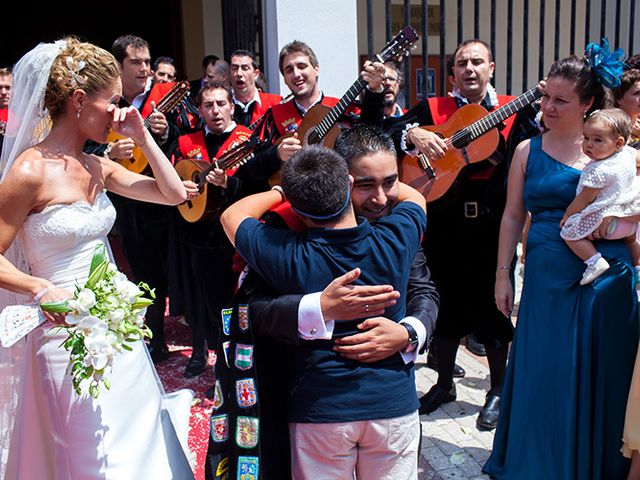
(218, 399)
(248, 468)
(225, 349)
(220, 428)
(226, 320)
(291, 127)
(247, 432)
(246, 395)
(243, 317)
(195, 154)
(244, 356)
(223, 467)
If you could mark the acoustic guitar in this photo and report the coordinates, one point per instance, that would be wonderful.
(138, 161)
(471, 137)
(207, 203)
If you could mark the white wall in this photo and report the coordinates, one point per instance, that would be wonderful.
(329, 27)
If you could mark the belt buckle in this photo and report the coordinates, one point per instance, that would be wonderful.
(471, 209)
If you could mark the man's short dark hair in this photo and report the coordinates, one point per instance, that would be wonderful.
(451, 59)
(363, 140)
(167, 60)
(245, 53)
(213, 86)
(120, 45)
(209, 60)
(297, 47)
(316, 182)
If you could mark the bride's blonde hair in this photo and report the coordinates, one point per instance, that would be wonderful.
(80, 65)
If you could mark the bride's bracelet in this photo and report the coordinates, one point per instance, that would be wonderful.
(42, 293)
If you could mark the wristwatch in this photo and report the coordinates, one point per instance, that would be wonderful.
(412, 343)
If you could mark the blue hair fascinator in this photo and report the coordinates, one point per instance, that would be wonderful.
(607, 65)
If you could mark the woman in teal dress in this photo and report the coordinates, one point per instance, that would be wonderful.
(572, 356)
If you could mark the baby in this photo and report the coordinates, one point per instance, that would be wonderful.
(607, 188)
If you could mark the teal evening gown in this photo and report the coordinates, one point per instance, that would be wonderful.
(572, 357)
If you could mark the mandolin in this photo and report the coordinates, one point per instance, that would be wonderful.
(207, 203)
(138, 161)
(471, 137)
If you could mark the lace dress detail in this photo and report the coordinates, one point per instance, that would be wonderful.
(125, 433)
(619, 195)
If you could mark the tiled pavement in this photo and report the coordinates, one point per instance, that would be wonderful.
(452, 446)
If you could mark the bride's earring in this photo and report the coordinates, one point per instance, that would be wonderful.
(78, 114)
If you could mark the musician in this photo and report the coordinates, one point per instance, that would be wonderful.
(142, 228)
(206, 276)
(392, 81)
(164, 70)
(250, 104)
(462, 238)
(214, 69)
(300, 68)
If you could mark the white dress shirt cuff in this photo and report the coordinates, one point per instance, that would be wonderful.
(418, 326)
(403, 140)
(311, 323)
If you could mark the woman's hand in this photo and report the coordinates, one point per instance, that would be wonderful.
(504, 293)
(128, 123)
(54, 294)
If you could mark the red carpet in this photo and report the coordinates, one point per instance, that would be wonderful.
(171, 373)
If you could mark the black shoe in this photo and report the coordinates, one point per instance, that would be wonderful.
(488, 418)
(197, 364)
(475, 347)
(436, 397)
(432, 363)
(159, 354)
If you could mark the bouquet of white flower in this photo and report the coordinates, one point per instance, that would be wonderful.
(102, 317)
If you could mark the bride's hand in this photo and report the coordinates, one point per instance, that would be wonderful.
(55, 294)
(128, 123)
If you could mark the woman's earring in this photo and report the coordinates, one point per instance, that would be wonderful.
(78, 114)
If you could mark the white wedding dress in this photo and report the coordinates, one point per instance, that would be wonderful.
(125, 433)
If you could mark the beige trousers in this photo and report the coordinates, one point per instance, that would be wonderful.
(367, 450)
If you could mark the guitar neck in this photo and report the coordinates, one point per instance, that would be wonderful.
(463, 137)
(336, 112)
(230, 159)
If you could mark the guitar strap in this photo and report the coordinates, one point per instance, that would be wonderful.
(288, 118)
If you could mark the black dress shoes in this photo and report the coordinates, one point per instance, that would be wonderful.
(488, 418)
(475, 347)
(197, 364)
(436, 397)
(159, 353)
(432, 363)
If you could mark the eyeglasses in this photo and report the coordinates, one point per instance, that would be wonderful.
(389, 79)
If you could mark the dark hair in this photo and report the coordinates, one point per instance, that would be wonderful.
(587, 85)
(633, 62)
(209, 60)
(363, 140)
(627, 80)
(297, 47)
(159, 60)
(120, 45)
(451, 59)
(4, 71)
(213, 86)
(245, 53)
(316, 182)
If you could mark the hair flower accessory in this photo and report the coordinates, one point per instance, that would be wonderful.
(607, 65)
(75, 67)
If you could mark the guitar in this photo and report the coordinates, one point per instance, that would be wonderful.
(470, 137)
(138, 161)
(207, 203)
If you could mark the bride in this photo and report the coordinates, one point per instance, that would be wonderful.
(53, 206)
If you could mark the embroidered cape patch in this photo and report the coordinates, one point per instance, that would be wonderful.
(247, 468)
(226, 320)
(225, 348)
(220, 428)
(246, 395)
(244, 356)
(195, 154)
(243, 317)
(218, 399)
(247, 432)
